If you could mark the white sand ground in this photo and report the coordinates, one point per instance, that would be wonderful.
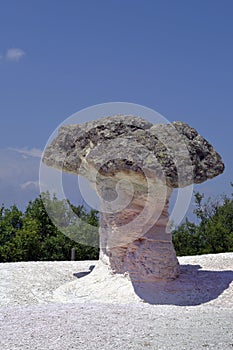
(58, 305)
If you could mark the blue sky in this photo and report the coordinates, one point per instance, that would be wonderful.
(57, 57)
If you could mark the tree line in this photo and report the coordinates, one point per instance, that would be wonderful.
(212, 231)
(31, 235)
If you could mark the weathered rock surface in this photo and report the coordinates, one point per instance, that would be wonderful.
(131, 143)
(134, 166)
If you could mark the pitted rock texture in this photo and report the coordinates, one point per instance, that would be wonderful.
(131, 143)
(119, 151)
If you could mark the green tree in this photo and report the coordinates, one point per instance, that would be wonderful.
(10, 224)
(219, 229)
(213, 232)
(32, 235)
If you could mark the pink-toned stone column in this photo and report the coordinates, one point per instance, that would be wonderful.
(135, 240)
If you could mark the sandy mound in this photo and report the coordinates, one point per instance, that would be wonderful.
(203, 279)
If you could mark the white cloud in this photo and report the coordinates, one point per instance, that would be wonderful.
(33, 152)
(14, 54)
(30, 185)
(15, 170)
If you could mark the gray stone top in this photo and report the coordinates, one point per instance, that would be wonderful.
(124, 143)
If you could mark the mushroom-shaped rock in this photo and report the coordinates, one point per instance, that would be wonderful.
(134, 166)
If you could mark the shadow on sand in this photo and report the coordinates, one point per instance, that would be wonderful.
(194, 286)
(84, 273)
